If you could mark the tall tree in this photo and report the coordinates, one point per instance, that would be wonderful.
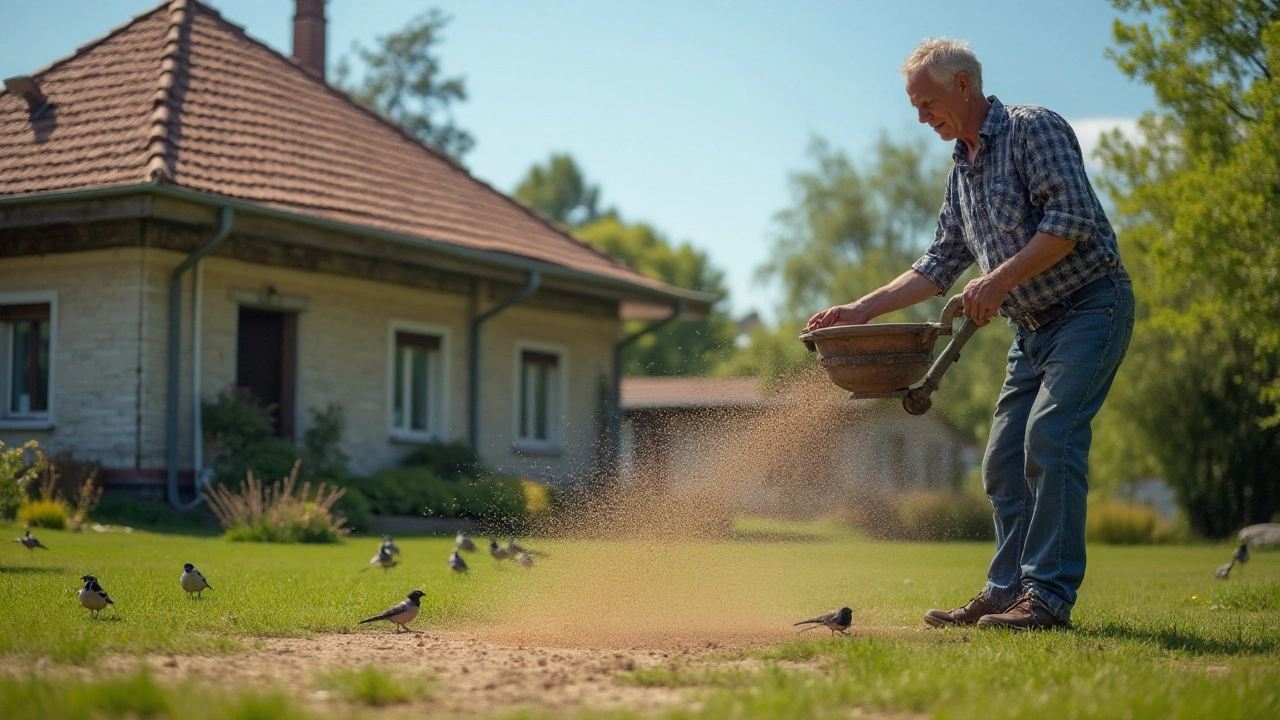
(403, 81)
(687, 347)
(1199, 203)
(560, 191)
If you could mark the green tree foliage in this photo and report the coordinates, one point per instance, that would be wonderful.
(403, 81)
(851, 229)
(560, 191)
(1199, 201)
(685, 347)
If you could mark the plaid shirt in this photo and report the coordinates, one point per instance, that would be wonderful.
(1028, 176)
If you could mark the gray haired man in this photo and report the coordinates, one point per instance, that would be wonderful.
(1019, 204)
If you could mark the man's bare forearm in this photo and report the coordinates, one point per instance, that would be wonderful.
(984, 295)
(903, 291)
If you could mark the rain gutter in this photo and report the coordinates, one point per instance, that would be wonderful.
(615, 415)
(473, 394)
(226, 218)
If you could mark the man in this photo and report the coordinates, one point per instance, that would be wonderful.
(1018, 203)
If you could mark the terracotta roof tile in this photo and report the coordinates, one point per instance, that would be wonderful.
(183, 97)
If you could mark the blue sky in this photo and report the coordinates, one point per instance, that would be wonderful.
(689, 114)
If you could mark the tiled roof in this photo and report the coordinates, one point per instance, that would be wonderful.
(686, 393)
(180, 96)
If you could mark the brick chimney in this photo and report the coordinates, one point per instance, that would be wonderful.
(308, 35)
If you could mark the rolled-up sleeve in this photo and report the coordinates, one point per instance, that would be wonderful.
(948, 256)
(1056, 178)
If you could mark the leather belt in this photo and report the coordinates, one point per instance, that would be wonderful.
(1032, 322)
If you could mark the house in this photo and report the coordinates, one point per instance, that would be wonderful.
(808, 436)
(184, 209)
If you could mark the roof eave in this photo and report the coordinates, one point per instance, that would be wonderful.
(696, 303)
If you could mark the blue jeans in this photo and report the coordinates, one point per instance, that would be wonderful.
(1036, 465)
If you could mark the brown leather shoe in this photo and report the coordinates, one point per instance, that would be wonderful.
(1026, 614)
(968, 615)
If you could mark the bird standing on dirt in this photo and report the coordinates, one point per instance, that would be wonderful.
(383, 558)
(498, 552)
(464, 543)
(192, 581)
(389, 545)
(456, 563)
(402, 613)
(837, 621)
(92, 596)
(30, 542)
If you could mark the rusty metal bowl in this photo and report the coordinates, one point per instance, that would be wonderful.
(879, 360)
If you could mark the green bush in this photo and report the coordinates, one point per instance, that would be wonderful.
(448, 461)
(16, 474)
(944, 515)
(419, 491)
(51, 514)
(120, 509)
(1116, 523)
(353, 505)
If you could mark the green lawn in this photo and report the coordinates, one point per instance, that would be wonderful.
(1155, 635)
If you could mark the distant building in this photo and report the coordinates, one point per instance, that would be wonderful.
(682, 429)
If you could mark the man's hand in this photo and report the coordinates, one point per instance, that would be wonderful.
(983, 297)
(849, 314)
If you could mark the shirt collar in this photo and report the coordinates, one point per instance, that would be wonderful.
(997, 119)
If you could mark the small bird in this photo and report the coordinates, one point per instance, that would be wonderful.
(192, 581)
(456, 563)
(383, 558)
(1241, 555)
(522, 559)
(389, 545)
(464, 543)
(498, 552)
(837, 621)
(402, 613)
(92, 596)
(513, 549)
(30, 542)
(1223, 570)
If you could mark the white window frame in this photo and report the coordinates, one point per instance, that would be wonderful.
(437, 384)
(36, 420)
(557, 415)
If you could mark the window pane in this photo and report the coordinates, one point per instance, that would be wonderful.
(42, 368)
(525, 390)
(418, 381)
(540, 402)
(20, 390)
(397, 401)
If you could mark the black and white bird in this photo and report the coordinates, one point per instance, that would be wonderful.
(456, 563)
(462, 542)
(498, 552)
(193, 581)
(30, 542)
(1241, 555)
(92, 596)
(837, 621)
(383, 558)
(523, 560)
(389, 545)
(402, 613)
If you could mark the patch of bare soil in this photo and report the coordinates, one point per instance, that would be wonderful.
(467, 676)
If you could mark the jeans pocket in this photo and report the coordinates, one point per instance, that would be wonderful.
(1107, 301)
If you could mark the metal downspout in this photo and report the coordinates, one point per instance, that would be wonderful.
(226, 218)
(615, 412)
(473, 413)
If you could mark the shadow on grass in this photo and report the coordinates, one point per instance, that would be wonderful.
(1175, 638)
(30, 569)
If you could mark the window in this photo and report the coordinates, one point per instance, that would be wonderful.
(417, 401)
(538, 407)
(28, 358)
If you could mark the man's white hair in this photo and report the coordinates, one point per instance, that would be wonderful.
(945, 58)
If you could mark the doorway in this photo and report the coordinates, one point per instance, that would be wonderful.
(266, 344)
